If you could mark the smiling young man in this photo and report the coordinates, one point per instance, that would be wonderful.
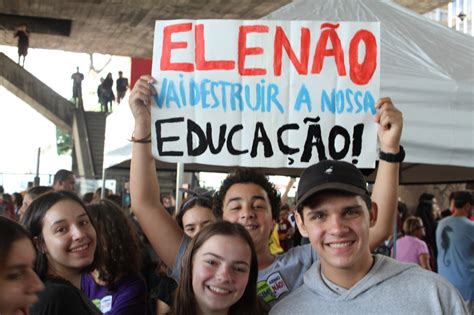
(335, 211)
(248, 198)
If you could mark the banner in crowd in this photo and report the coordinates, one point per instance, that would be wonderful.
(265, 93)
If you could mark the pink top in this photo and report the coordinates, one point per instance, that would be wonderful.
(409, 248)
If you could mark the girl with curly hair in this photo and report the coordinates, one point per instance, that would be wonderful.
(116, 286)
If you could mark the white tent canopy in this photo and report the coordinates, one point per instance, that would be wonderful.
(426, 68)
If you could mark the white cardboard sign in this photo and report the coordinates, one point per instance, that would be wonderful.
(265, 93)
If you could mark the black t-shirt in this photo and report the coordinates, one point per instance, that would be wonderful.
(165, 290)
(60, 297)
(122, 84)
(23, 39)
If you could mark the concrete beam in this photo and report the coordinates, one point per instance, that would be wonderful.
(35, 93)
(423, 6)
(126, 27)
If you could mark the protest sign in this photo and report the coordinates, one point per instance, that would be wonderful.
(265, 93)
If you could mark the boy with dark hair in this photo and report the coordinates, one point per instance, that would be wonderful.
(335, 211)
(244, 176)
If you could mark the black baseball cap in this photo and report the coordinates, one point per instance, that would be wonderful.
(331, 175)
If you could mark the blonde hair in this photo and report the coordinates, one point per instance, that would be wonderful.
(411, 224)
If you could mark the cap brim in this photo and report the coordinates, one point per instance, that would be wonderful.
(332, 186)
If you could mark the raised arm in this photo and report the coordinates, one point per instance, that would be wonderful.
(160, 228)
(385, 192)
(424, 260)
(284, 197)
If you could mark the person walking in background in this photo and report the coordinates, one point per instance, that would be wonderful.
(101, 96)
(411, 248)
(108, 94)
(121, 86)
(23, 34)
(455, 240)
(77, 79)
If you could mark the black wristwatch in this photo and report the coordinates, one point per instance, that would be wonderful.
(391, 157)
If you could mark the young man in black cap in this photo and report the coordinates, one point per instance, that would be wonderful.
(335, 211)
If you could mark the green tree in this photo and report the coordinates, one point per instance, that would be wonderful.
(63, 142)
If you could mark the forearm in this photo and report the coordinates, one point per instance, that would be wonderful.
(385, 192)
(160, 228)
(144, 186)
(385, 195)
(424, 260)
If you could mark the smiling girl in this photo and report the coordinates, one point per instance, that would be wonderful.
(65, 241)
(219, 273)
(19, 284)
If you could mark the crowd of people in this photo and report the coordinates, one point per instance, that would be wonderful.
(243, 249)
(105, 92)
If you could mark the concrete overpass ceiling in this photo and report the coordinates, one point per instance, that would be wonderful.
(125, 27)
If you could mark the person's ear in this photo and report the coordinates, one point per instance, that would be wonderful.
(300, 224)
(373, 214)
